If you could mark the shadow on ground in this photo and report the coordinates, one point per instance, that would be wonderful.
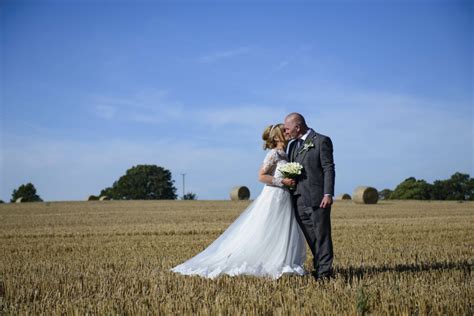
(352, 273)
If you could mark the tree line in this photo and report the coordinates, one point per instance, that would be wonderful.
(141, 182)
(459, 186)
(151, 182)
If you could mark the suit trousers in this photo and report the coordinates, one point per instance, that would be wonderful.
(315, 222)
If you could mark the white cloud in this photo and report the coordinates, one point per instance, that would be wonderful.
(146, 106)
(403, 138)
(298, 55)
(158, 108)
(379, 140)
(281, 65)
(253, 116)
(72, 170)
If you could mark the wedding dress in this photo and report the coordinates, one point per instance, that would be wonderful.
(265, 240)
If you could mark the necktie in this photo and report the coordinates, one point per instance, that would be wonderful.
(297, 148)
(298, 145)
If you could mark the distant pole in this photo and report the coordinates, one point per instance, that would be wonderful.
(183, 174)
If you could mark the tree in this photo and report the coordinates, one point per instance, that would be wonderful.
(110, 192)
(27, 192)
(385, 194)
(190, 196)
(412, 189)
(459, 187)
(143, 182)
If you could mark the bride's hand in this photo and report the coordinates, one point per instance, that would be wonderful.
(289, 182)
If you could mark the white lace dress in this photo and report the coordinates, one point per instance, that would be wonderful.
(265, 240)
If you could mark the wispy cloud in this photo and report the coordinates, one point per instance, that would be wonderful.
(289, 59)
(73, 170)
(151, 106)
(225, 54)
(105, 111)
(280, 66)
(380, 138)
(250, 115)
(156, 108)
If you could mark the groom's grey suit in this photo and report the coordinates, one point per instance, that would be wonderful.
(316, 180)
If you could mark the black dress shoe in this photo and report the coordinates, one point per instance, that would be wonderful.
(323, 276)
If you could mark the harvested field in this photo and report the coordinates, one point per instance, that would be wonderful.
(104, 257)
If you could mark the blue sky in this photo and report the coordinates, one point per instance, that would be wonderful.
(92, 88)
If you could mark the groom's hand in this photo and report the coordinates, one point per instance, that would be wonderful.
(326, 202)
(289, 182)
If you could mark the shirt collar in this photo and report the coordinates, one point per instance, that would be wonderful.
(303, 138)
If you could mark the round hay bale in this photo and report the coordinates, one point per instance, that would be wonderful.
(104, 198)
(344, 196)
(19, 200)
(240, 193)
(365, 195)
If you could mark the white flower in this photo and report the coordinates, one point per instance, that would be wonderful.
(307, 146)
(291, 169)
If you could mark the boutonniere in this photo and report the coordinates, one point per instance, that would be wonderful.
(307, 146)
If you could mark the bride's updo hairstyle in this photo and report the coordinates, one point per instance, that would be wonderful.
(272, 134)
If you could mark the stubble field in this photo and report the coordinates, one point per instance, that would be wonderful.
(113, 257)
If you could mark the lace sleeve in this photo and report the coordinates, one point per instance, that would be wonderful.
(277, 182)
(269, 166)
(270, 161)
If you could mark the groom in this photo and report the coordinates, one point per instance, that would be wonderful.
(312, 197)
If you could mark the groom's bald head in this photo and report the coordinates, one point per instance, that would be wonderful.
(295, 125)
(297, 119)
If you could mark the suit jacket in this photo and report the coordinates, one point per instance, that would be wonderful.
(318, 174)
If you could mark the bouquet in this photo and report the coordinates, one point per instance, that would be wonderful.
(291, 170)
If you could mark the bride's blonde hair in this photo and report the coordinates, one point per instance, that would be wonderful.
(272, 134)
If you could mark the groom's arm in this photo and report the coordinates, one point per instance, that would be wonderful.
(327, 163)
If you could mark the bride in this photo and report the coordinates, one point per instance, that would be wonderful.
(265, 240)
